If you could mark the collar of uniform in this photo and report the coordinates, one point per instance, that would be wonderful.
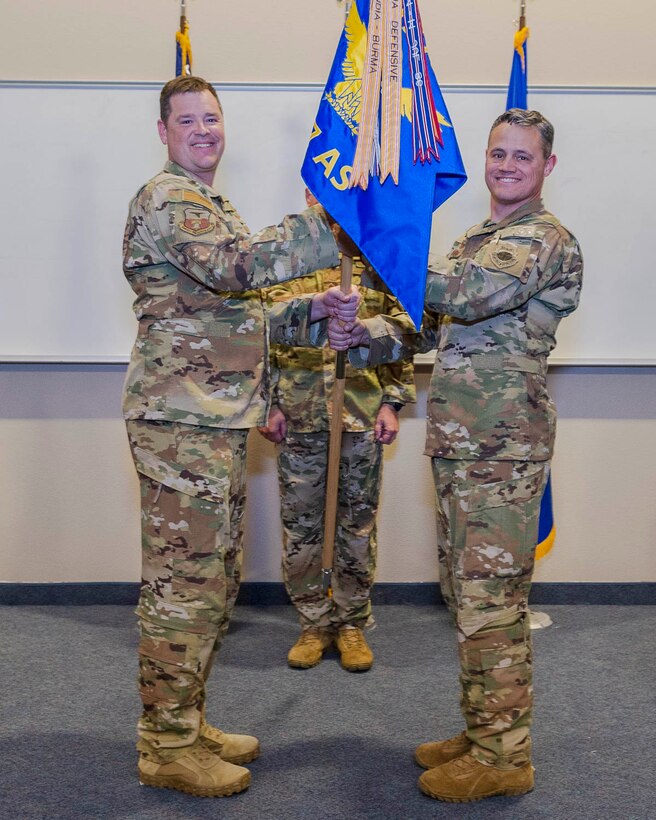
(532, 207)
(207, 190)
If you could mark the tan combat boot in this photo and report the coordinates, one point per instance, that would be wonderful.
(231, 748)
(466, 779)
(198, 771)
(309, 648)
(353, 647)
(430, 755)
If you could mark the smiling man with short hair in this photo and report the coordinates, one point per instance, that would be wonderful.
(498, 298)
(197, 381)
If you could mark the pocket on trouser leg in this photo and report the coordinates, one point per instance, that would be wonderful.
(172, 666)
(185, 587)
(498, 699)
(495, 559)
(445, 519)
(356, 538)
(504, 491)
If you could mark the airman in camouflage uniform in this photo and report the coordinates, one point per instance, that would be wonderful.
(299, 423)
(197, 381)
(500, 295)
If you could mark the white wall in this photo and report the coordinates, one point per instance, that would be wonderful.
(68, 492)
(590, 42)
(69, 495)
(76, 263)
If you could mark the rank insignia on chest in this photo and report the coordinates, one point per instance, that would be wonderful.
(198, 221)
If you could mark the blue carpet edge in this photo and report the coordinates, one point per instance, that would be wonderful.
(272, 593)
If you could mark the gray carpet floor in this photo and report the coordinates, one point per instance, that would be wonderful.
(335, 745)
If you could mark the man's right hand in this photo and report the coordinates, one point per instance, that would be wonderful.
(276, 428)
(341, 336)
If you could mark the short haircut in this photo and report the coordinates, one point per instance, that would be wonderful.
(182, 85)
(529, 119)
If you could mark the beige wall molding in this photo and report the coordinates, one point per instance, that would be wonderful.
(452, 88)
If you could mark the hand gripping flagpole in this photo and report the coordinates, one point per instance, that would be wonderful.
(334, 448)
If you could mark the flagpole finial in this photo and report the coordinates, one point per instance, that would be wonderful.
(522, 14)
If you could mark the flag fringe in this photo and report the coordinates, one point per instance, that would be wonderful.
(544, 547)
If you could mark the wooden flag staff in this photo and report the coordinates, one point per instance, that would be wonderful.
(334, 448)
(335, 441)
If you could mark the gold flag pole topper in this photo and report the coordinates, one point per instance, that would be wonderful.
(522, 33)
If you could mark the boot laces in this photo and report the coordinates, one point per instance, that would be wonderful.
(352, 637)
(214, 734)
(202, 753)
(309, 636)
(464, 763)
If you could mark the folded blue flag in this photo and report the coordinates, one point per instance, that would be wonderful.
(518, 85)
(546, 526)
(390, 223)
(183, 57)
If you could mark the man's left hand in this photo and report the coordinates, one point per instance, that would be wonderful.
(342, 335)
(387, 424)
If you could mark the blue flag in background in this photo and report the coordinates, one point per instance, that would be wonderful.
(546, 527)
(518, 85)
(183, 55)
(518, 98)
(390, 223)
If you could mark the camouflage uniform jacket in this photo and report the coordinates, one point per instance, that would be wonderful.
(500, 293)
(303, 378)
(201, 350)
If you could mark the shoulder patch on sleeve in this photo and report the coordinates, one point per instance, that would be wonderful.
(197, 221)
(195, 214)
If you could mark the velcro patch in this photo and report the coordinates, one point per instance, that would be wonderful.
(504, 255)
(198, 221)
(511, 252)
(183, 195)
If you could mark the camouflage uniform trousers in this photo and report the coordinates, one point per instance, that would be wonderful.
(192, 535)
(487, 521)
(302, 468)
